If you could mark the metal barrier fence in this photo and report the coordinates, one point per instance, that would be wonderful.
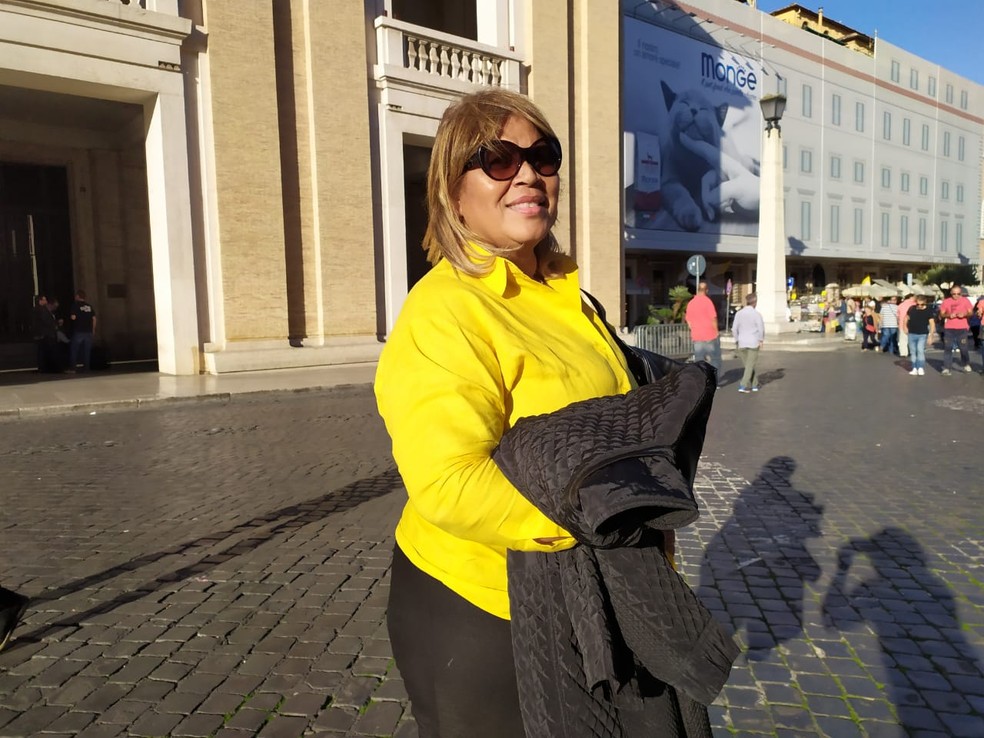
(669, 339)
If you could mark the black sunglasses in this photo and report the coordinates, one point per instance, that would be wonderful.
(502, 160)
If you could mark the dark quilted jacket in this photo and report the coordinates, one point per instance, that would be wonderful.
(608, 639)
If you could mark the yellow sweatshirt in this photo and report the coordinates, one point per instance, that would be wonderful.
(467, 358)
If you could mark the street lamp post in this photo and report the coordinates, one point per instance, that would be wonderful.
(771, 260)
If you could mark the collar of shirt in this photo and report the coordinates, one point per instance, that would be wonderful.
(504, 276)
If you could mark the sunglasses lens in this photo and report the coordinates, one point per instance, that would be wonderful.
(502, 161)
(544, 158)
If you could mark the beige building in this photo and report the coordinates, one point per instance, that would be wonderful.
(238, 184)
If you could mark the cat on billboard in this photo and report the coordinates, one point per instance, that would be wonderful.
(698, 128)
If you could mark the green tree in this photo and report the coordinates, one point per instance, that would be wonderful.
(680, 296)
(940, 274)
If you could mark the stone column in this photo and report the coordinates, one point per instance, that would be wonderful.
(771, 262)
(172, 252)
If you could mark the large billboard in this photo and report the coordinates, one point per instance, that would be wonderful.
(692, 132)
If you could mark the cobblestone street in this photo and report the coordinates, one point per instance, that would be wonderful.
(220, 568)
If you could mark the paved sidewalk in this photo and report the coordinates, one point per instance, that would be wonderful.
(220, 569)
(25, 394)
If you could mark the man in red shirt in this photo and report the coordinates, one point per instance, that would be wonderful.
(702, 319)
(955, 313)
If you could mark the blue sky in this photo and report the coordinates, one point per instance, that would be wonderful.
(947, 32)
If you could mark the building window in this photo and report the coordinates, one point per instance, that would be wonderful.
(807, 101)
(949, 94)
(922, 234)
(904, 181)
(914, 79)
(835, 110)
(961, 148)
(925, 137)
(835, 223)
(806, 161)
(805, 213)
(931, 86)
(785, 157)
(958, 236)
(887, 126)
(906, 130)
(904, 231)
(959, 193)
(944, 190)
(859, 172)
(859, 117)
(885, 229)
(923, 186)
(896, 71)
(946, 143)
(886, 178)
(944, 235)
(858, 226)
(963, 99)
(835, 167)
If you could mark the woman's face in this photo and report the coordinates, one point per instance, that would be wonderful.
(517, 212)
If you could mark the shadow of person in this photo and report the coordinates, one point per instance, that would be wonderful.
(755, 566)
(914, 616)
(772, 376)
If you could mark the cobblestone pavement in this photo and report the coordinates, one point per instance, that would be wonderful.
(220, 569)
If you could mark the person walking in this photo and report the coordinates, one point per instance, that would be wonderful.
(919, 327)
(701, 316)
(980, 313)
(890, 325)
(955, 313)
(907, 303)
(83, 319)
(869, 328)
(749, 332)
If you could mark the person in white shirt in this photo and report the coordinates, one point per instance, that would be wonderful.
(749, 332)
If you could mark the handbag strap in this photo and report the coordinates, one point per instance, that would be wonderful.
(632, 360)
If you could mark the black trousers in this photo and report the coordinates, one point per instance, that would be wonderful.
(456, 659)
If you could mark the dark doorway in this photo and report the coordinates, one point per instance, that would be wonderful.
(450, 16)
(415, 162)
(35, 252)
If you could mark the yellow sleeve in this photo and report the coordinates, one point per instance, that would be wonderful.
(440, 391)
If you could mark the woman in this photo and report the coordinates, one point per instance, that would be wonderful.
(496, 331)
(920, 326)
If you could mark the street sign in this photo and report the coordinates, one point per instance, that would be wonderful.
(790, 281)
(696, 265)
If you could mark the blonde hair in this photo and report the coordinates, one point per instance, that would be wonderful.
(473, 121)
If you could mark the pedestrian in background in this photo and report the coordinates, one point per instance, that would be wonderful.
(980, 314)
(955, 313)
(749, 332)
(904, 308)
(919, 327)
(497, 330)
(83, 320)
(701, 316)
(45, 330)
(869, 328)
(890, 325)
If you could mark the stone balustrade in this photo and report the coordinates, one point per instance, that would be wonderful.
(404, 48)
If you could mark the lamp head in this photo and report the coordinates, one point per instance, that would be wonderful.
(773, 106)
